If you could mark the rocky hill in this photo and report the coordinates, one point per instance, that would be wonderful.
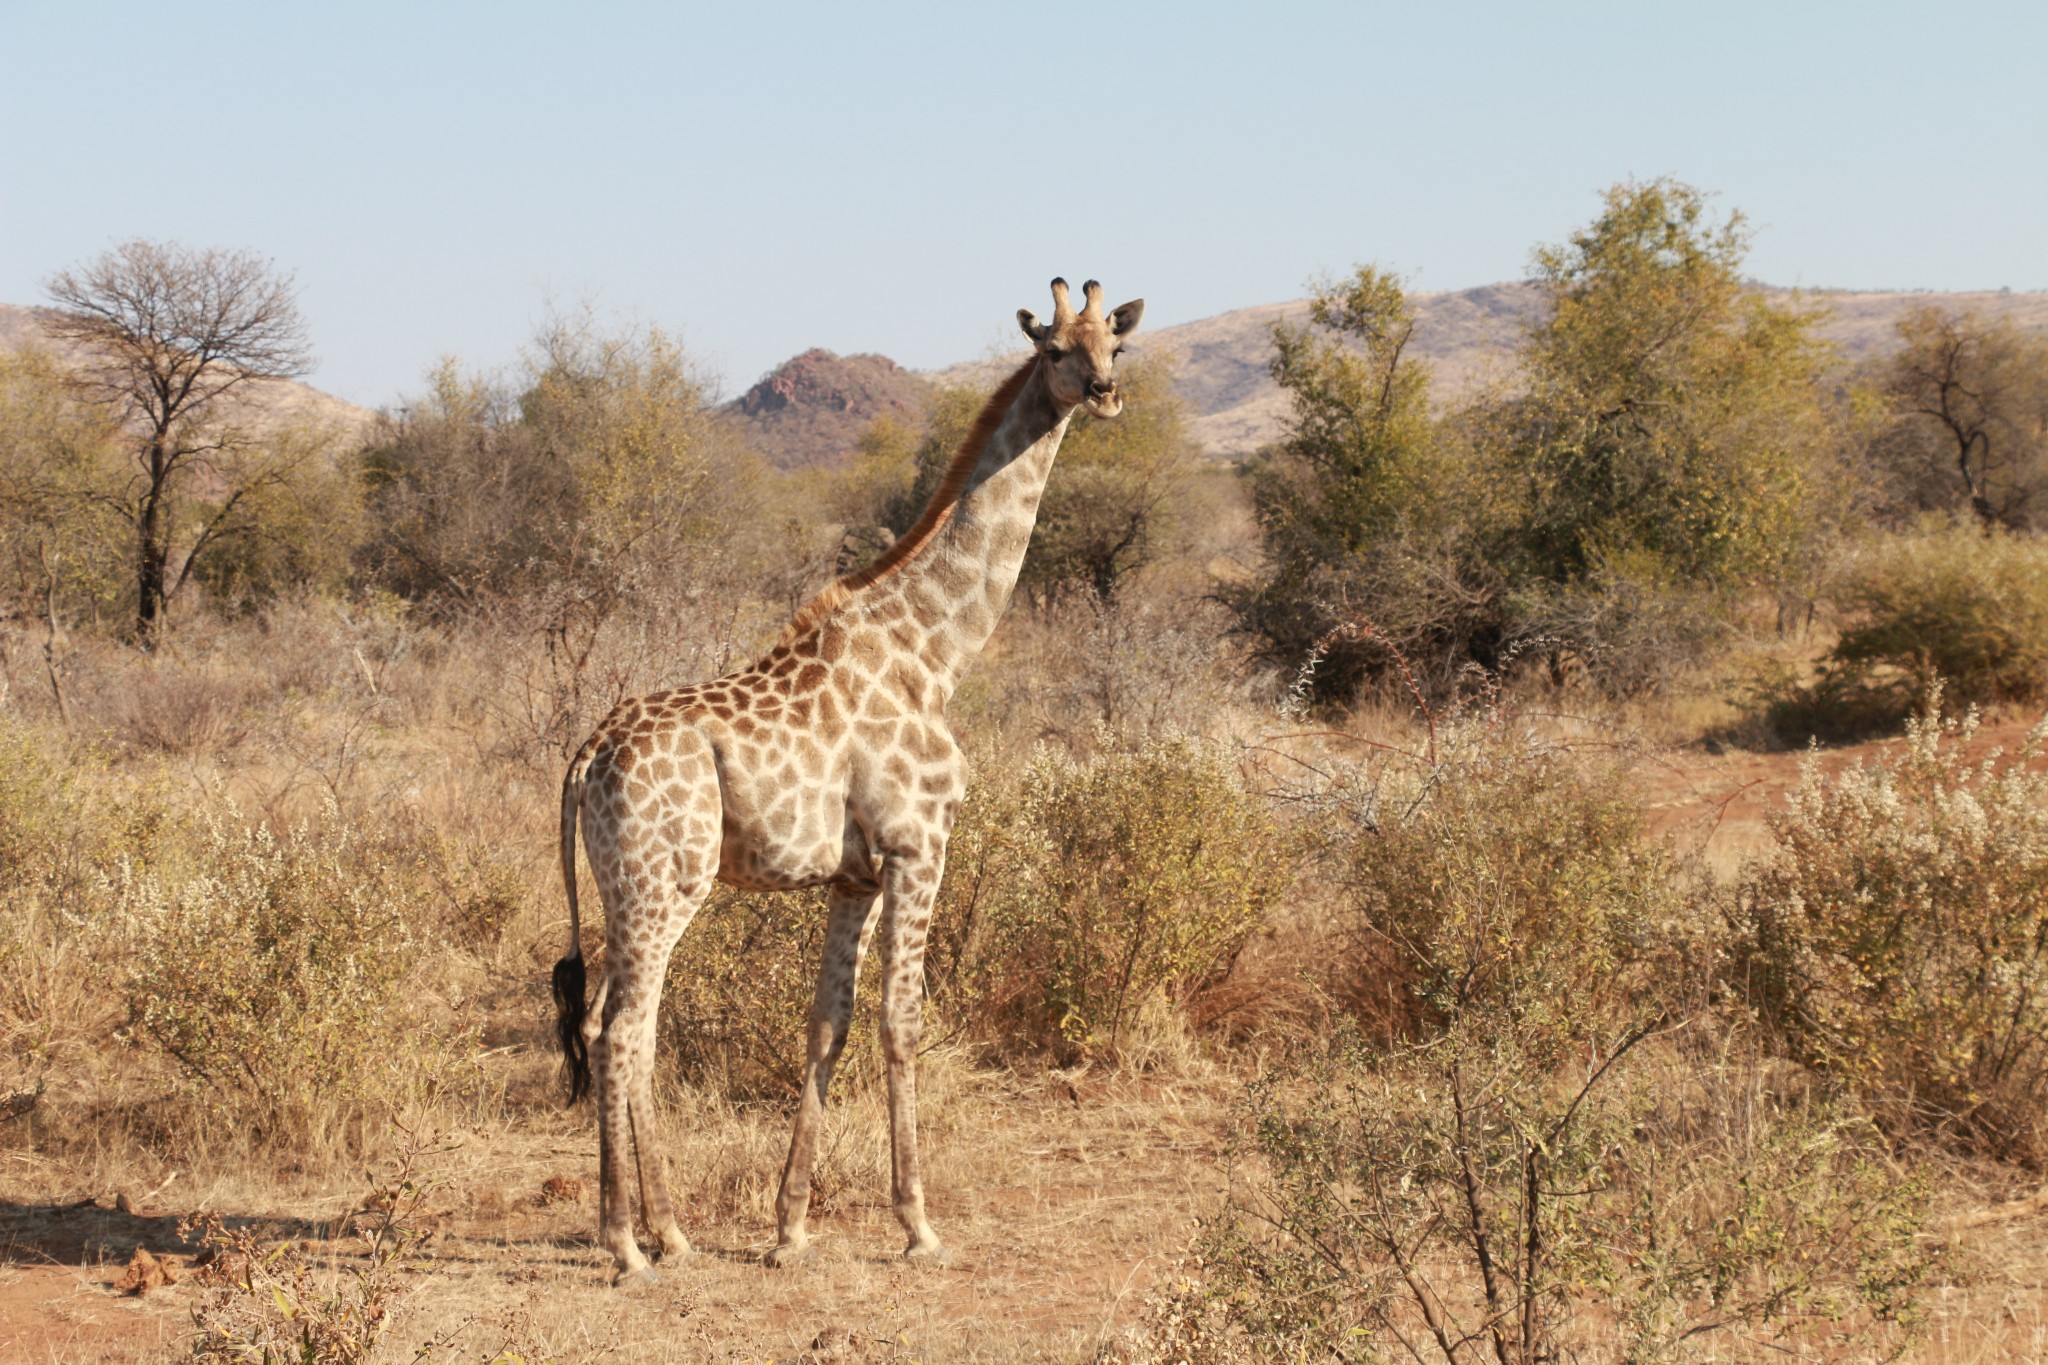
(811, 409)
(1468, 337)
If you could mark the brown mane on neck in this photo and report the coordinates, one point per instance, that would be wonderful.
(936, 513)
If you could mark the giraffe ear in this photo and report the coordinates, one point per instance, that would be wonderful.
(1124, 320)
(1033, 328)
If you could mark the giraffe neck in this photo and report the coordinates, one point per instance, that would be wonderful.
(957, 584)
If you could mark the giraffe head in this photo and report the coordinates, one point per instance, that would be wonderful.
(1077, 351)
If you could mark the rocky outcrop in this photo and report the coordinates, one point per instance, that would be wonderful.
(812, 409)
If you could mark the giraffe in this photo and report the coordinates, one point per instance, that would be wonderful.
(829, 763)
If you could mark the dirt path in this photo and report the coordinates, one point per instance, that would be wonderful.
(1720, 804)
(1062, 1203)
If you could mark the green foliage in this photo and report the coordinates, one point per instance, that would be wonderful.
(870, 498)
(1369, 511)
(1112, 505)
(952, 415)
(276, 976)
(1669, 421)
(58, 466)
(1103, 887)
(1651, 467)
(1954, 602)
(1897, 936)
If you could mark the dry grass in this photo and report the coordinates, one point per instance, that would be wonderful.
(1071, 1195)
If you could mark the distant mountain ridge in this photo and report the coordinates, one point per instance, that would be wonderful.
(812, 409)
(279, 400)
(1468, 336)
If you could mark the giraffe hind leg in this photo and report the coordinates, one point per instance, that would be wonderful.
(623, 1062)
(656, 1207)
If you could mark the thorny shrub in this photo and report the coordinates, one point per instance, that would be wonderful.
(1509, 875)
(1954, 602)
(1467, 1199)
(1116, 882)
(1897, 935)
(276, 978)
(1529, 1146)
(739, 990)
(270, 1305)
(1949, 601)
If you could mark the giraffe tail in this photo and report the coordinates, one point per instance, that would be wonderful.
(570, 1006)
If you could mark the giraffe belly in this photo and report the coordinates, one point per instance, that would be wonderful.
(791, 845)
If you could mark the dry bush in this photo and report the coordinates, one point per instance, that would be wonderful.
(1533, 1144)
(1471, 1199)
(1486, 874)
(1956, 602)
(272, 1304)
(176, 708)
(739, 989)
(1952, 601)
(1147, 662)
(279, 976)
(1083, 900)
(1100, 887)
(63, 816)
(1897, 936)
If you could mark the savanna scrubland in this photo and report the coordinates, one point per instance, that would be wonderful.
(1339, 957)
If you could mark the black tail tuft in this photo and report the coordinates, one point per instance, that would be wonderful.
(569, 1011)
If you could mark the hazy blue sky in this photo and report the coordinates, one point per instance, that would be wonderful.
(763, 178)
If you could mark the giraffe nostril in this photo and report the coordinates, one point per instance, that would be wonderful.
(1102, 388)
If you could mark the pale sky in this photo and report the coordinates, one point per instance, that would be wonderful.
(901, 178)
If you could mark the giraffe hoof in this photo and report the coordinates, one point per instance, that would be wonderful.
(935, 1256)
(787, 1255)
(646, 1277)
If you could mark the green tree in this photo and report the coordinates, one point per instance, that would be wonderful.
(953, 411)
(61, 534)
(1670, 407)
(1966, 400)
(1369, 510)
(1668, 419)
(1112, 505)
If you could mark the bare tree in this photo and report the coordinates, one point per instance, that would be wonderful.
(171, 338)
(1969, 402)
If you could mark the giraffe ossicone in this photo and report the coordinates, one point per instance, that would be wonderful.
(829, 763)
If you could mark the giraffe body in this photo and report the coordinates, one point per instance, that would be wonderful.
(829, 762)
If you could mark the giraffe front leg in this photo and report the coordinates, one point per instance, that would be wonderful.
(846, 941)
(910, 886)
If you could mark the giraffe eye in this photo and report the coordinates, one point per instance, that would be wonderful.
(1117, 352)
(1055, 353)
